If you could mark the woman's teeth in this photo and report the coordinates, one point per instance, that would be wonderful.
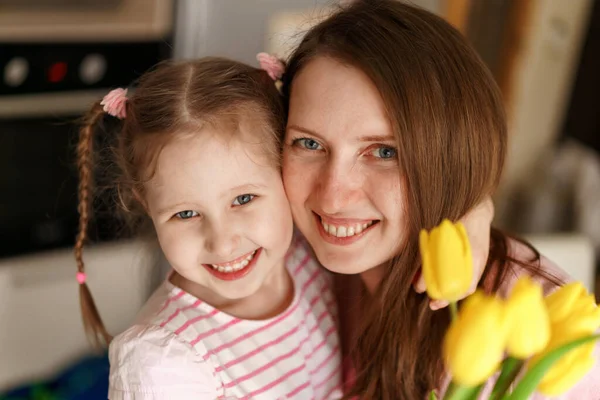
(345, 230)
(233, 267)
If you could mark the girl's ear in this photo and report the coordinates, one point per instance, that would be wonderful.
(125, 202)
(140, 199)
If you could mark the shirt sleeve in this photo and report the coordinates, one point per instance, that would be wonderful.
(151, 363)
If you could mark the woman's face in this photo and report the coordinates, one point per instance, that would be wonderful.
(340, 168)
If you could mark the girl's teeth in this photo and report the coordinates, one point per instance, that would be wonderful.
(234, 267)
(345, 231)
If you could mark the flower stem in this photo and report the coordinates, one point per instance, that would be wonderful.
(510, 369)
(453, 310)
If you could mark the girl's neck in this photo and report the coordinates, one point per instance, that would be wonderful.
(270, 300)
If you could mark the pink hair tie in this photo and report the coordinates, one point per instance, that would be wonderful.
(114, 103)
(81, 277)
(273, 65)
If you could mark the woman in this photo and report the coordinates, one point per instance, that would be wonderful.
(394, 123)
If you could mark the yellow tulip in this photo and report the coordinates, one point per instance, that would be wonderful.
(529, 331)
(573, 314)
(568, 370)
(475, 342)
(447, 261)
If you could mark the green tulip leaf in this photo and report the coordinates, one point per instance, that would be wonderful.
(532, 378)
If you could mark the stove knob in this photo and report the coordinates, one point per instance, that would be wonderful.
(16, 71)
(92, 69)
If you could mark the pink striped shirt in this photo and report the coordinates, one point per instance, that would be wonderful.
(182, 348)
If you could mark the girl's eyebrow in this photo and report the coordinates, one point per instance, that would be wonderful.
(247, 187)
(172, 208)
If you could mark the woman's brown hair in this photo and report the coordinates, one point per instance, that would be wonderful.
(447, 115)
(173, 99)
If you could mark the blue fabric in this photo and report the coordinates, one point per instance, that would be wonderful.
(87, 379)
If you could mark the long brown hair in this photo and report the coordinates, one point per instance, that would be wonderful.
(174, 99)
(447, 115)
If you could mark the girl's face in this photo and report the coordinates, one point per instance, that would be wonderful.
(220, 211)
(340, 168)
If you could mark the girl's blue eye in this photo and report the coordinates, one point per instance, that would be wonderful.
(385, 152)
(309, 144)
(243, 199)
(187, 214)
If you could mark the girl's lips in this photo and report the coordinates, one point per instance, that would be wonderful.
(234, 275)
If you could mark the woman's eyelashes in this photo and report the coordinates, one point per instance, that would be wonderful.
(383, 152)
(307, 144)
(379, 151)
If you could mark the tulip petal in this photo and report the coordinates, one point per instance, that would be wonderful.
(454, 272)
(530, 325)
(474, 343)
(560, 303)
(462, 232)
(568, 371)
(426, 267)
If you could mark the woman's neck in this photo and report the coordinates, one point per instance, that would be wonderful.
(372, 278)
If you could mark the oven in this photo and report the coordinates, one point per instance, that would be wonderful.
(56, 58)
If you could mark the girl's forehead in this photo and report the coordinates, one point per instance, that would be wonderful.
(208, 165)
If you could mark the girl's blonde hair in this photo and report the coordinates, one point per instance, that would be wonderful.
(173, 99)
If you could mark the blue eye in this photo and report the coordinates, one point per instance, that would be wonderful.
(308, 144)
(385, 152)
(243, 199)
(187, 214)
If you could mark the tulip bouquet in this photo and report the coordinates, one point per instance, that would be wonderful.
(533, 342)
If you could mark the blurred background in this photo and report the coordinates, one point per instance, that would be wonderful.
(58, 56)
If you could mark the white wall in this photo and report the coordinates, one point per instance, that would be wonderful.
(541, 86)
(41, 330)
(240, 29)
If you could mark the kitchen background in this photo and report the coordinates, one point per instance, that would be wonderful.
(58, 56)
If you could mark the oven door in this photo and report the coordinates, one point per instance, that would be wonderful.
(56, 58)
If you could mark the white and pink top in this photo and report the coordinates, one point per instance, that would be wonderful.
(182, 348)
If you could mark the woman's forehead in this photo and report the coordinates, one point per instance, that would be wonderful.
(328, 96)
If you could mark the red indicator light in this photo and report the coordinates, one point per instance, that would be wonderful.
(57, 72)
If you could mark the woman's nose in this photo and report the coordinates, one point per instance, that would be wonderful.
(339, 187)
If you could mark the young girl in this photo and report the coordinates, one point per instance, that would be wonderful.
(246, 313)
(394, 124)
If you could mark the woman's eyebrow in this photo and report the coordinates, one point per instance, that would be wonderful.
(377, 138)
(303, 130)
